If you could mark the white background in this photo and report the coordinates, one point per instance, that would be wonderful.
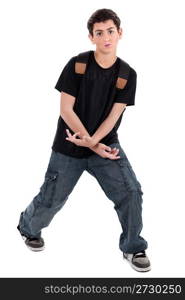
(37, 39)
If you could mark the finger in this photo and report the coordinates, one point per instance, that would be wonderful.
(114, 151)
(75, 134)
(68, 133)
(117, 157)
(70, 138)
(112, 156)
(109, 149)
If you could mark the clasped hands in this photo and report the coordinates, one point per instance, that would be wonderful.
(84, 141)
(99, 148)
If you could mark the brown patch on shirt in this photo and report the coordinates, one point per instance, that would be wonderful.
(121, 82)
(80, 68)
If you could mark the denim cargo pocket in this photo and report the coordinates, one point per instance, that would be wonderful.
(48, 189)
(129, 174)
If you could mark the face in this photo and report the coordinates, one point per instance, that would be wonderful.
(105, 36)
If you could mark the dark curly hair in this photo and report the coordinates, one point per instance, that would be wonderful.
(102, 15)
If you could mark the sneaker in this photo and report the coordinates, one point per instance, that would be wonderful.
(34, 244)
(138, 261)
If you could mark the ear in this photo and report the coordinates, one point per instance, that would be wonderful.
(91, 38)
(120, 33)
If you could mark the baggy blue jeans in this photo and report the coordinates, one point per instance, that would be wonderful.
(116, 178)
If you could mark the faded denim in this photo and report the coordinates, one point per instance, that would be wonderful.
(116, 178)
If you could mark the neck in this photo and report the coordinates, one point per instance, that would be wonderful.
(105, 59)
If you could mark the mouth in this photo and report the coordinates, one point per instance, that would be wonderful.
(107, 45)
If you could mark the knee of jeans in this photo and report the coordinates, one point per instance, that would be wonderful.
(136, 187)
(140, 189)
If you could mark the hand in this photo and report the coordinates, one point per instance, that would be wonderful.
(85, 141)
(101, 149)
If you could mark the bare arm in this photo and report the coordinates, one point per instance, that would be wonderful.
(72, 120)
(108, 124)
(69, 116)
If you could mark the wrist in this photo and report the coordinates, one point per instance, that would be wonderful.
(95, 140)
(94, 147)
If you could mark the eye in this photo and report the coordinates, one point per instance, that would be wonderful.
(98, 33)
(111, 31)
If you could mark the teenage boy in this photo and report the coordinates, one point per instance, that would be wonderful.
(93, 99)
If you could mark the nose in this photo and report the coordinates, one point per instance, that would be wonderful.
(106, 37)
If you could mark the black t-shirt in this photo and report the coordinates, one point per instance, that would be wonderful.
(95, 94)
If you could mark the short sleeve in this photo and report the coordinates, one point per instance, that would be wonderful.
(68, 81)
(127, 95)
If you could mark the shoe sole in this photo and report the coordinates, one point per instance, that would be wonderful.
(31, 248)
(36, 249)
(137, 268)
